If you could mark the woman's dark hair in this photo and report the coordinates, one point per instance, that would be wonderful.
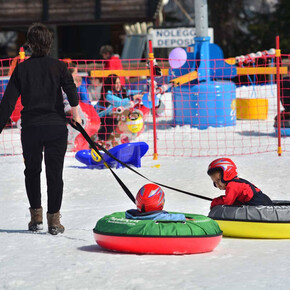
(108, 85)
(39, 39)
(109, 82)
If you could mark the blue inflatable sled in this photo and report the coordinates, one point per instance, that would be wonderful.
(129, 153)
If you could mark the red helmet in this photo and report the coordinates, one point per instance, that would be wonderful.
(226, 166)
(150, 197)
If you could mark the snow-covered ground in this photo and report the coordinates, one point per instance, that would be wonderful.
(74, 261)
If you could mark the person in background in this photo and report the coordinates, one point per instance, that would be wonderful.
(223, 173)
(114, 95)
(112, 61)
(40, 80)
(81, 83)
(95, 89)
(150, 201)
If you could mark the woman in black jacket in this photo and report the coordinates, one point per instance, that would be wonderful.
(39, 81)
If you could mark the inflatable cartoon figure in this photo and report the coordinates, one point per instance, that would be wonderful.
(129, 125)
(91, 123)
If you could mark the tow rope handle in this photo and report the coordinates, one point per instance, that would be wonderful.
(94, 145)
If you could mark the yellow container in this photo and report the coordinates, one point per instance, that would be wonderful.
(252, 109)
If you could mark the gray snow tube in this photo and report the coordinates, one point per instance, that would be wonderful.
(255, 222)
(279, 212)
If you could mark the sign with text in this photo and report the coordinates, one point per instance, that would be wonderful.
(175, 37)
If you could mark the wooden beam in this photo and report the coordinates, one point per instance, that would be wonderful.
(261, 70)
(125, 73)
(184, 79)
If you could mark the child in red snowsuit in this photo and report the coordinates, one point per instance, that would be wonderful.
(150, 200)
(223, 173)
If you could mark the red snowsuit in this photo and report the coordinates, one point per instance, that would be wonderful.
(240, 191)
(115, 63)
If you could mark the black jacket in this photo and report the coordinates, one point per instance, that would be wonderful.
(39, 81)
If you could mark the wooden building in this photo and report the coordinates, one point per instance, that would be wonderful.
(80, 27)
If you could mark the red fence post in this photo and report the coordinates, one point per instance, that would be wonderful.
(151, 62)
(278, 56)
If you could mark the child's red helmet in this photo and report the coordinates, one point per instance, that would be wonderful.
(226, 166)
(150, 197)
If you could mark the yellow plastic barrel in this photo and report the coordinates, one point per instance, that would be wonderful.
(252, 109)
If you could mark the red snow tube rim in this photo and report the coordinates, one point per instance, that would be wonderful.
(158, 245)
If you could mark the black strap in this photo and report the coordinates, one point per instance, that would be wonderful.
(241, 180)
(78, 127)
(94, 145)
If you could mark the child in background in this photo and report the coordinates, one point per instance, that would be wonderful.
(112, 61)
(95, 89)
(150, 200)
(114, 95)
(223, 173)
(80, 82)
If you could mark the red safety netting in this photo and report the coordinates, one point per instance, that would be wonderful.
(203, 108)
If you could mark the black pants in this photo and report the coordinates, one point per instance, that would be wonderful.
(52, 140)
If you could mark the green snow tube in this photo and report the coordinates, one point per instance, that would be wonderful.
(198, 234)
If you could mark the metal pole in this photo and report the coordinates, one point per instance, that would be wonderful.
(201, 18)
(202, 39)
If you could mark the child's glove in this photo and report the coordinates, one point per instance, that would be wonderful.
(217, 201)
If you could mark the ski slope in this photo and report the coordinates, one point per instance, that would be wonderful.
(73, 260)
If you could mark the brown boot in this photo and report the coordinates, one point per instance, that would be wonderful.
(54, 225)
(35, 223)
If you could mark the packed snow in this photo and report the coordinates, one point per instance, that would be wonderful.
(73, 260)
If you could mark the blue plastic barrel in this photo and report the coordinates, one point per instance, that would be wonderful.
(207, 104)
